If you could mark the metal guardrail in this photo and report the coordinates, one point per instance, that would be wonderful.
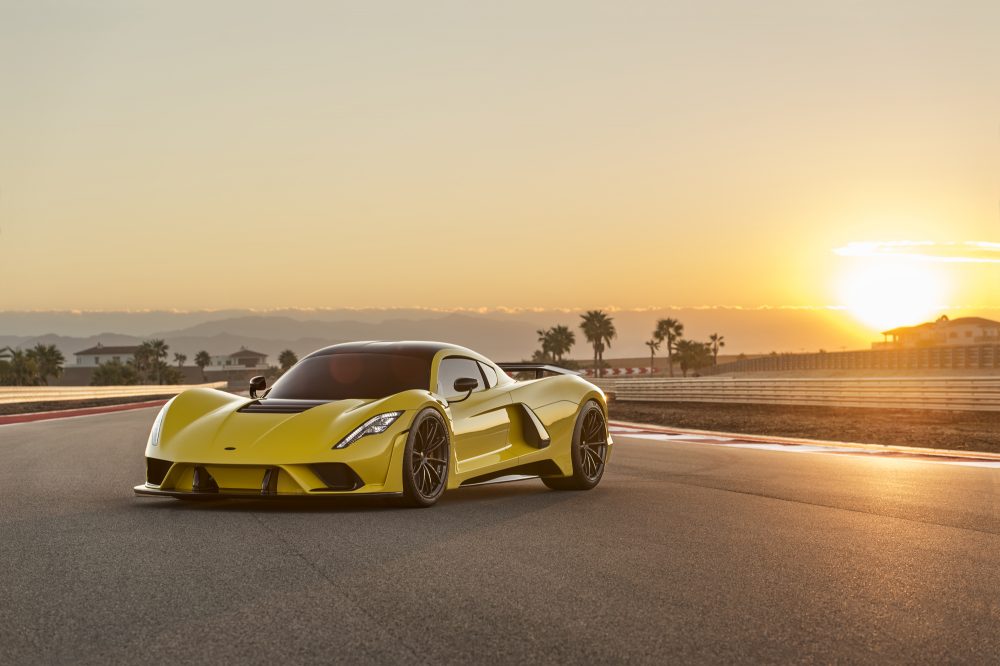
(953, 393)
(13, 394)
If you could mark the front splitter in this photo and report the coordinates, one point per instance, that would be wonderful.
(143, 490)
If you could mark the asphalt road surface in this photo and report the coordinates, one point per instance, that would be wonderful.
(685, 553)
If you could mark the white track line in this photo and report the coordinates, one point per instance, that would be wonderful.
(732, 442)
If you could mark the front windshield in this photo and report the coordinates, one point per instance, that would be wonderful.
(353, 375)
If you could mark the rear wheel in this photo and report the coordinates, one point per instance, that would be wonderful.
(426, 460)
(589, 451)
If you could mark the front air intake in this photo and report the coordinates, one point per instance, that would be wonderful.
(337, 476)
(203, 482)
(156, 470)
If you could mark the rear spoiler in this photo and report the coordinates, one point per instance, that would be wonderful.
(538, 368)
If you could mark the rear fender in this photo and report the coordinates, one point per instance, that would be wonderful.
(559, 416)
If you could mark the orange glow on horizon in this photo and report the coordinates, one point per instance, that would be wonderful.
(886, 293)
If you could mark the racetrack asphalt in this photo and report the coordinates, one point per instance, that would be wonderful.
(685, 553)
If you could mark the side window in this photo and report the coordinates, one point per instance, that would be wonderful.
(491, 375)
(456, 368)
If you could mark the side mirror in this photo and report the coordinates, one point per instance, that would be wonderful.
(257, 383)
(465, 385)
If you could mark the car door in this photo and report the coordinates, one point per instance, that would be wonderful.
(480, 421)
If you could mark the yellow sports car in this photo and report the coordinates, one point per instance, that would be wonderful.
(410, 419)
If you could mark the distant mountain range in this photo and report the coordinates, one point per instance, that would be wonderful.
(504, 335)
(270, 334)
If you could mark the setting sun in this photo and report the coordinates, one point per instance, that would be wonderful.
(888, 293)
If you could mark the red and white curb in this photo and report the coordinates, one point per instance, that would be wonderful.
(623, 372)
(797, 445)
(11, 419)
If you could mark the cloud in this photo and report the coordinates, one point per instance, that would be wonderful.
(970, 252)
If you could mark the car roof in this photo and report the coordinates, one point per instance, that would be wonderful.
(417, 348)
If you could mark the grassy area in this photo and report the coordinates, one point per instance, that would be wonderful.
(965, 431)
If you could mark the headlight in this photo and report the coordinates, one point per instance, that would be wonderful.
(372, 426)
(154, 433)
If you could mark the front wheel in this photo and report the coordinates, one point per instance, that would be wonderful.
(426, 460)
(589, 451)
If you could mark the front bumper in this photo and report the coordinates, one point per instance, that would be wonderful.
(366, 469)
(357, 475)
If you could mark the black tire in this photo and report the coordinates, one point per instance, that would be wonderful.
(426, 460)
(589, 451)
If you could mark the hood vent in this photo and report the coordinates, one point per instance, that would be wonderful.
(279, 406)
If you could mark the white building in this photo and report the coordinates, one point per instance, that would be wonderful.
(95, 356)
(943, 332)
(244, 359)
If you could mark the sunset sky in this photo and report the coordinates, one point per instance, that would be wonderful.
(540, 154)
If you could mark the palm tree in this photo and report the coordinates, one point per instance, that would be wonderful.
(654, 346)
(144, 361)
(180, 358)
(141, 361)
(159, 348)
(670, 330)
(545, 339)
(48, 360)
(287, 359)
(716, 341)
(599, 329)
(149, 360)
(693, 355)
(22, 370)
(556, 343)
(561, 340)
(202, 359)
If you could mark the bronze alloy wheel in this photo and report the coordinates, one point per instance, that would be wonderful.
(593, 445)
(425, 462)
(589, 451)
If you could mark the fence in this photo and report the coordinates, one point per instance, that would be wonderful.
(918, 358)
(961, 394)
(12, 394)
